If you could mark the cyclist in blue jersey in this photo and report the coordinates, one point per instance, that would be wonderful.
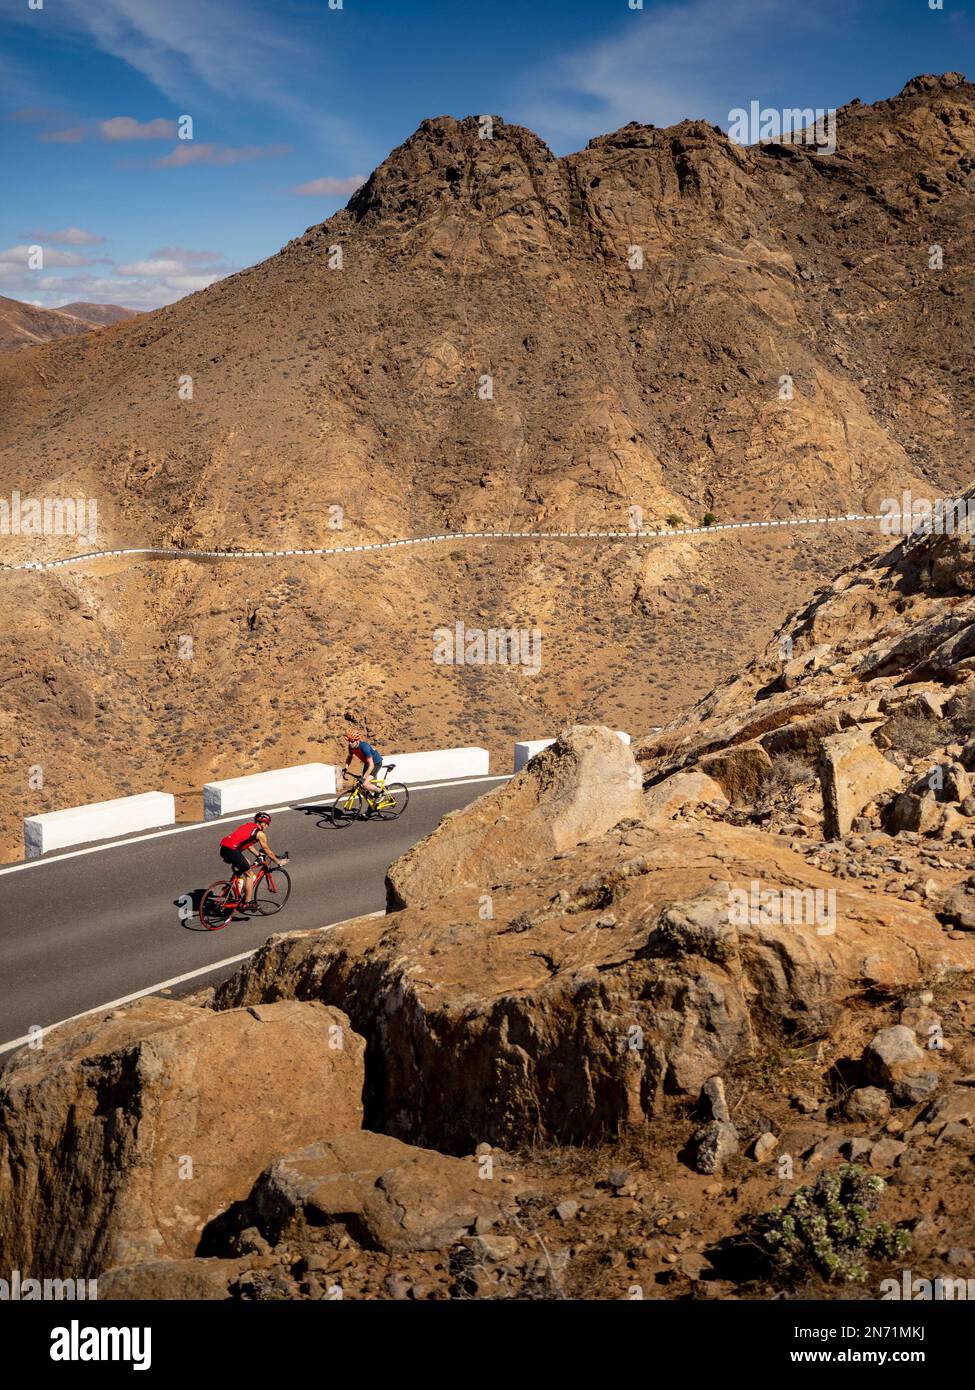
(370, 758)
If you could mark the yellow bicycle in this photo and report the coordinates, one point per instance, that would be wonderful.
(359, 804)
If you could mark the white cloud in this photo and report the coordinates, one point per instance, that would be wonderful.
(191, 153)
(164, 275)
(74, 136)
(128, 128)
(330, 187)
(234, 47)
(67, 236)
(676, 61)
(19, 255)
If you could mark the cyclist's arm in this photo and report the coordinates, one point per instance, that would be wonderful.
(262, 841)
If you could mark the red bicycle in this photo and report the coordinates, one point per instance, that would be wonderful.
(224, 899)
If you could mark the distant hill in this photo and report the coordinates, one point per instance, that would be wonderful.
(98, 315)
(25, 325)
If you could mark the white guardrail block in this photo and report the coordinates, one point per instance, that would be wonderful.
(102, 820)
(438, 765)
(263, 789)
(526, 751)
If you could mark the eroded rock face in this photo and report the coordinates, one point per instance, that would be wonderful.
(852, 772)
(882, 659)
(680, 790)
(123, 1136)
(387, 1195)
(604, 980)
(572, 791)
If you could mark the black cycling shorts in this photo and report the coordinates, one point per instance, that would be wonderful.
(236, 857)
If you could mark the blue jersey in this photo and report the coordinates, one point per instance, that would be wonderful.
(365, 751)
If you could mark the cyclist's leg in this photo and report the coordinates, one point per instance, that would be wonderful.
(250, 884)
(244, 873)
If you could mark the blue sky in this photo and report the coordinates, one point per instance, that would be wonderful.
(293, 102)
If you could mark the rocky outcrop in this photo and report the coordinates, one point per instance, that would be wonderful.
(386, 1195)
(599, 982)
(740, 770)
(852, 773)
(680, 791)
(572, 791)
(125, 1134)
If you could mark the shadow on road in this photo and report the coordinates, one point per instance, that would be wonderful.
(188, 906)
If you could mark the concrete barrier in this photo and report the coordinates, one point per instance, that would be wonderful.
(102, 820)
(439, 765)
(527, 750)
(264, 789)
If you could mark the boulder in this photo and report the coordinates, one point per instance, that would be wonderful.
(386, 1195)
(190, 1280)
(126, 1133)
(852, 771)
(801, 736)
(713, 1147)
(893, 1054)
(867, 1105)
(739, 770)
(957, 908)
(681, 789)
(583, 783)
(914, 811)
(555, 1019)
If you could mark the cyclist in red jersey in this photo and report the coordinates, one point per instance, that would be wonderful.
(246, 837)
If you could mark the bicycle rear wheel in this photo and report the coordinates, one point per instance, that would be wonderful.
(393, 801)
(347, 808)
(215, 912)
(272, 892)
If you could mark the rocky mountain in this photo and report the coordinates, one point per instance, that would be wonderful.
(26, 325)
(466, 346)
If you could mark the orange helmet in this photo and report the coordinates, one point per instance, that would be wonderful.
(353, 735)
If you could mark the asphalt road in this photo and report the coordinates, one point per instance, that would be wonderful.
(87, 930)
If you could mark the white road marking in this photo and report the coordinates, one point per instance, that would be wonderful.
(161, 553)
(205, 824)
(166, 984)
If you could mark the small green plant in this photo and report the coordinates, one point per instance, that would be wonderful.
(708, 519)
(674, 520)
(826, 1229)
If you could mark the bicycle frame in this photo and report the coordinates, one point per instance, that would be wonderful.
(236, 883)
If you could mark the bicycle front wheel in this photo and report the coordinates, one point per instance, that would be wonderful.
(393, 801)
(215, 912)
(346, 809)
(272, 892)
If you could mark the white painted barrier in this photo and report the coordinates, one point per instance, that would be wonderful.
(527, 750)
(438, 765)
(102, 820)
(263, 789)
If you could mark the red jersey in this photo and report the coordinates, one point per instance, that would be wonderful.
(241, 838)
